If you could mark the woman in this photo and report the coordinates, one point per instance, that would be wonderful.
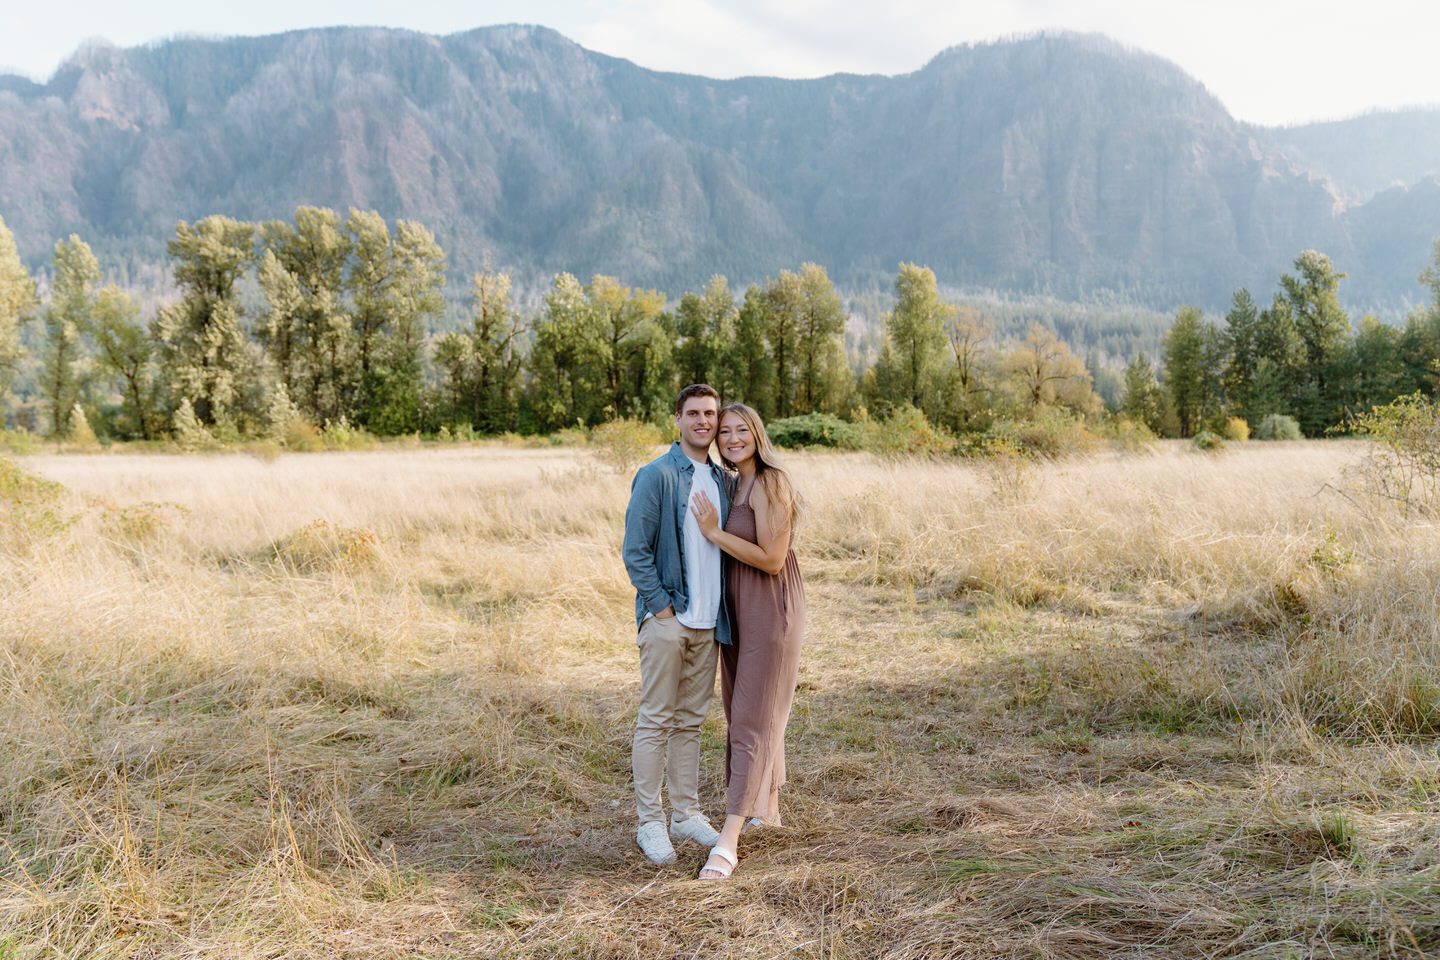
(767, 602)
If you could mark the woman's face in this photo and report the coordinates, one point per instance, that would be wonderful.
(734, 438)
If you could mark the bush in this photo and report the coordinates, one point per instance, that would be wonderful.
(1404, 464)
(1129, 436)
(1050, 436)
(79, 430)
(1207, 442)
(29, 505)
(624, 444)
(908, 434)
(1278, 426)
(1054, 434)
(190, 433)
(817, 430)
(1236, 429)
(340, 435)
(19, 440)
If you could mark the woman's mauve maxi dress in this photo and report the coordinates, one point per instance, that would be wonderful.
(757, 673)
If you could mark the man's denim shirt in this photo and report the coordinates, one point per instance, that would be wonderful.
(654, 533)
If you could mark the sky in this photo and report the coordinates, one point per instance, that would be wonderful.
(1269, 61)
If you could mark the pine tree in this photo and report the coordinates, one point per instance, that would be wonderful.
(1323, 330)
(1193, 360)
(1144, 400)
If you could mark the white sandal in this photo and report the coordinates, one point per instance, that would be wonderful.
(729, 860)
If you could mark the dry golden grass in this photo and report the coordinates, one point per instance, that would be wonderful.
(379, 705)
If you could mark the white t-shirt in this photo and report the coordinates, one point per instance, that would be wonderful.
(702, 558)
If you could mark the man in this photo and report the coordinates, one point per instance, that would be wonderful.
(680, 615)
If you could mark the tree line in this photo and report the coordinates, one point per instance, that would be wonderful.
(1299, 357)
(329, 321)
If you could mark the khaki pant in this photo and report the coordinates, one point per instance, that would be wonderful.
(677, 682)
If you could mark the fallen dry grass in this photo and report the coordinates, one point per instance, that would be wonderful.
(379, 705)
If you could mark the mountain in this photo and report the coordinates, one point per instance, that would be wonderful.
(1065, 165)
(1364, 155)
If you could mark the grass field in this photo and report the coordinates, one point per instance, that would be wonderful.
(379, 704)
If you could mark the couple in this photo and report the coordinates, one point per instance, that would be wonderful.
(707, 548)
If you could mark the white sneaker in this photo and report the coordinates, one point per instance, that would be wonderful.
(654, 844)
(696, 828)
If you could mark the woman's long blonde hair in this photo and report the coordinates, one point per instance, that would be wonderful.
(780, 490)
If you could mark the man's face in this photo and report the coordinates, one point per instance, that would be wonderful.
(696, 420)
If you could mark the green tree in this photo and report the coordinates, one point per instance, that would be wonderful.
(67, 319)
(1193, 358)
(567, 361)
(823, 375)
(783, 305)
(17, 299)
(204, 355)
(1323, 330)
(1372, 370)
(1419, 346)
(123, 349)
(756, 378)
(916, 330)
(481, 367)
(707, 349)
(631, 347)
(306, 325)
(1242, 345)
(1144, 400)
(883, 385)
(396, 292)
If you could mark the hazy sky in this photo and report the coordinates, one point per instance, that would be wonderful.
(1269, 61)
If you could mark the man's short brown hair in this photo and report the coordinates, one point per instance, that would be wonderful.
(695, 390)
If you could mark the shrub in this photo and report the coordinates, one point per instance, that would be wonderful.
(908, 434)
(19, 440)
(1236, 429)
(321, 545)
(817, 430)
(281, 414)
(624, 444)
(340, 435)
(1054, 434)
(1278, 426)
(1207, 442)
(80, 432)
(302, 435)
(576, 436)
(1129, 436)
(29, 505)
(1404, 464)
(190, 433)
